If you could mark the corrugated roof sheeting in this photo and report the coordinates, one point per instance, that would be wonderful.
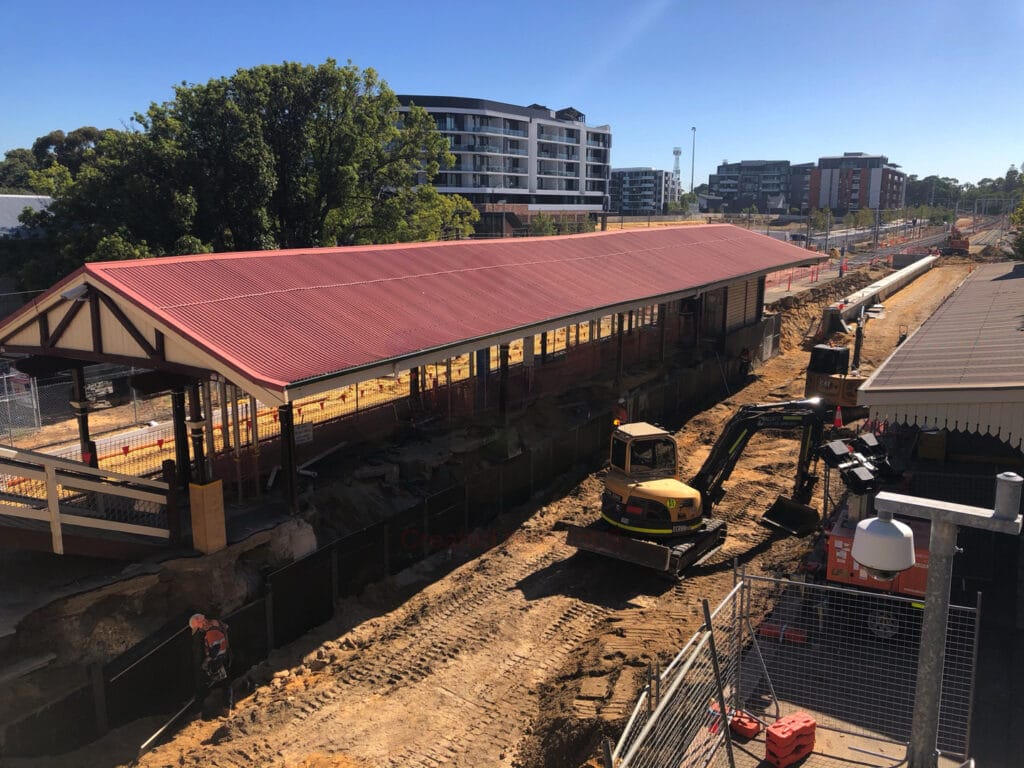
(963, 370)
(283, 317)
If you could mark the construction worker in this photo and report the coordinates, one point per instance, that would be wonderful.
(212, 651)
(620, 414)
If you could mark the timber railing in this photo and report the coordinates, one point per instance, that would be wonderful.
(61, 493)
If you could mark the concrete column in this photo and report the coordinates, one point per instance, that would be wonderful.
(178, 419)
(222, 390)
(414, 385)
(289, 471)
(662, 332)
(503, 380)
(211, 447)
(618, 347)
(80, 405)
(195, 421)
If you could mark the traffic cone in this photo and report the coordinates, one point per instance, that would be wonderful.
(837, 422)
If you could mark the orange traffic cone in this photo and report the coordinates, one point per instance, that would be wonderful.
(837, 422)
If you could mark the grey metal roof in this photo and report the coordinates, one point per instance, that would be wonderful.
(11, 207)
(964, 368)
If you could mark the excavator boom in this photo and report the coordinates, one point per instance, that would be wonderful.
(790, 514)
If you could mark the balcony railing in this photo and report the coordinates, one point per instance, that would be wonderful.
(556, 172)
(552, 185)
(574, 156)
(496, 129)
(557, 137)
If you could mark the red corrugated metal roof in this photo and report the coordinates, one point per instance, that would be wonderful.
(282, 317)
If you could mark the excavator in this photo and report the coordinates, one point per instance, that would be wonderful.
(652, 518)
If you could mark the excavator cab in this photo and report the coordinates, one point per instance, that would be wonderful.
(643, 493)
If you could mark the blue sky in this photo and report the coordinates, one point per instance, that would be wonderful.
(934, 85)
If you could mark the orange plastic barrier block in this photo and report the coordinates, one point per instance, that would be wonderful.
(790, 739)
(782, 633)
(786, 760)
(745, 725)
(740, 722)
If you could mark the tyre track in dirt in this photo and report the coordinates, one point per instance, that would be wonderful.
(479, 619)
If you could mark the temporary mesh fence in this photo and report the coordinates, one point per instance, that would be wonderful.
(848, 658)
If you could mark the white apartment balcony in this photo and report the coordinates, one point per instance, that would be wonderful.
(558, 172)
(495, 129)
(562, 139)
(553, 155)
(557, 185)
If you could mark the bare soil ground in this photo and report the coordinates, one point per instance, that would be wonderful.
(528, 652)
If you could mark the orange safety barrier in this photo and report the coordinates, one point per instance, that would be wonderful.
(782, 633)
(741, 723)
(789, 739)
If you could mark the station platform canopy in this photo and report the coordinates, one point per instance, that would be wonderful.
(293, 323)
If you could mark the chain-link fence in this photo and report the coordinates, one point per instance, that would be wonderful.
(775, 647)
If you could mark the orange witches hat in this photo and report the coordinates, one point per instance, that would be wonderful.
(837, 422)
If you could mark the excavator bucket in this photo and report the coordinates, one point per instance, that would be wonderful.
(791, 516)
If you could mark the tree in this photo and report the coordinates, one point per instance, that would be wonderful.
(69, 150)
(14, 170)
(1017, 223)
(864, 218)
(286, 155)
(543, 224)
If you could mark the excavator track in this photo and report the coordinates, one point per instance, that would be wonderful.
(670, 556)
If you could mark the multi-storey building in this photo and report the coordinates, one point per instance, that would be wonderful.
(800, 187)
(515, 162)
(857, 180)
(761, 183)
(642, 190)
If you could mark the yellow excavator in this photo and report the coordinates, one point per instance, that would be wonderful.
(650, 517)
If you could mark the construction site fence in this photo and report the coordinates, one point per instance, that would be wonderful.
(774, 647)
(158, 676)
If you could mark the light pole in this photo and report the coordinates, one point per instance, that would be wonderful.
(883, 546)
(693, 148)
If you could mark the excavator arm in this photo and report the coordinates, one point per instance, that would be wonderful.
(807, 415)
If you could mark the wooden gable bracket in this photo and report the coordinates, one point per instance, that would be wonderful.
(51, 339)
(151, 352)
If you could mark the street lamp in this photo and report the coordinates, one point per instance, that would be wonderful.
(693, 148)
(884, 547)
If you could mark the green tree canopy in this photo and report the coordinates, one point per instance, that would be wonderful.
(14, 170)
(277, 156)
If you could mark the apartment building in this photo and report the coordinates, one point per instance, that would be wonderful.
(637, 191)
(857, 180)
(514, 162)
(761, 183)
